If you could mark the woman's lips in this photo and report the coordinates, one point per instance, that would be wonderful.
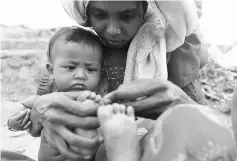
(113, 42)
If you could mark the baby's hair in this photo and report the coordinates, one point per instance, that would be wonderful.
(74, 34)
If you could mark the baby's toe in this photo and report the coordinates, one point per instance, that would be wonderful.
(92, 95)
(98, 98)
(130, 111)
(104, 113)
(115, 107)
(122, 109)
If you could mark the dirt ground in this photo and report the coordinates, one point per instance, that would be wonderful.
(22, 57)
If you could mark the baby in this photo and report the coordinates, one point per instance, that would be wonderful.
(74, 63)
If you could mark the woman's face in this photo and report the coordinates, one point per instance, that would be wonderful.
(115, 22)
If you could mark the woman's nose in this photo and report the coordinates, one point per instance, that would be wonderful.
(112, 28)
(80, 74)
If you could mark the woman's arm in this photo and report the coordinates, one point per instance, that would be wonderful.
(149, 97)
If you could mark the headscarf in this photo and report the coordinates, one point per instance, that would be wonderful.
(166, 26)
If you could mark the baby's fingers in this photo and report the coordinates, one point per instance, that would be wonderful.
(26, 119)
(27, 126)
(19, 116)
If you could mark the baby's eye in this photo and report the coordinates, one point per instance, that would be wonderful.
(91, 70)
(70, 67)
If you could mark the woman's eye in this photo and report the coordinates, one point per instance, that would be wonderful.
(99, 15)
(127, 17)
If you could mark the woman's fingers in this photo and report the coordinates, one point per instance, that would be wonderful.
(67, 101)
(136, 90)
(83, 151)
(150, 107)
(73, 95)
(61, 117)
(60, 144)
(56, 141)
(63, 148)
(155, 99)
(79, 108)
(78, 141)
(60, 137)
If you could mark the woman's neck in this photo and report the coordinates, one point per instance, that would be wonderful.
(115, 56)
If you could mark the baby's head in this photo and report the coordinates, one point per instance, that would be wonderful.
(75, 59)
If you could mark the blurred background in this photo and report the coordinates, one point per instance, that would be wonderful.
(27, 25)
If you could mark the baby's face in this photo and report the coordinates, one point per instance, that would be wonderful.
(76, 66)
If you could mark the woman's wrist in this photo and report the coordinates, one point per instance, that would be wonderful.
(28, 104)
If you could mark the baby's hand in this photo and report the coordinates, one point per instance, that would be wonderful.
(20, 121)
(89, 95)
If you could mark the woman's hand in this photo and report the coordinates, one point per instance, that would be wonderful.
(70, 144)
(63, 108)
(55, 112)
(149, 97)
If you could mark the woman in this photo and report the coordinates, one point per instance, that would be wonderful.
(183, 63)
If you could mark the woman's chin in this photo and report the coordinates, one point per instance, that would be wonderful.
(115, 45)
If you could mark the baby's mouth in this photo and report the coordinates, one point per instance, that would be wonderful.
(78, 87)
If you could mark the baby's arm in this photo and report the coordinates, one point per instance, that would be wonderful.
(18, 115)
(21, 106)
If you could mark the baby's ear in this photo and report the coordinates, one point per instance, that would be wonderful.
(49, 67)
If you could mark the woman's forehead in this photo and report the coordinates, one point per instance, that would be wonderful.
(115, 6)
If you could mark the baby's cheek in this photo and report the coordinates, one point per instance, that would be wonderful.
(86, 132)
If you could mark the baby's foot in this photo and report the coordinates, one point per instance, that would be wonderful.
(119, 128)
